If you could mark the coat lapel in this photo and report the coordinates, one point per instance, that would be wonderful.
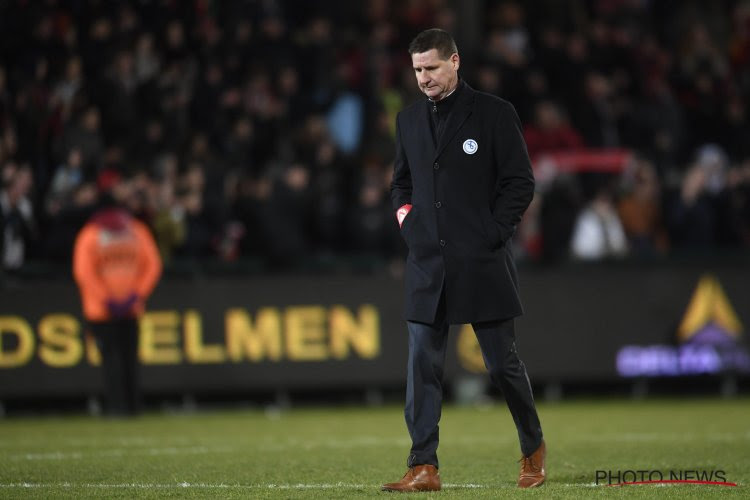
(457, 118)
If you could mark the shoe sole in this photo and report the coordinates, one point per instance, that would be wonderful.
(534, 485)
(410, 490)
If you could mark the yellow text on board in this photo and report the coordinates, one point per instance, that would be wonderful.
(297, 333)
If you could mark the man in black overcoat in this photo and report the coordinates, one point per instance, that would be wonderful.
(462, 180)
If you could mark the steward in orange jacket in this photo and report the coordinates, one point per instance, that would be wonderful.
(116, 265)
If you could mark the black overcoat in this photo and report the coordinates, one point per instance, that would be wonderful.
(468, 193)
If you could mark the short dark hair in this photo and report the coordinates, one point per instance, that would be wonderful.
(434, 39)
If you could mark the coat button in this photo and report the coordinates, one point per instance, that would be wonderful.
(442, 243)
(436, 165)
(438, 204)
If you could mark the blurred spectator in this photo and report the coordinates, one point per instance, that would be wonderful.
(18, 229)
(116, 266)
(68, 176)
(146, 61)
(598, 232)
(380, 143)
(85, 135)
(702, 69)
(5, 105)
(560, 205)
(513, 37)
(199, 228)
(345, 121)
(657, 125)
(597, 116)
(739, 44)
(489, 79)
(701, 215)
(149, 142)
(550, 131)
(69, 85)
(330, 183)
(738, 181)
(119, 102)
(285, 215)
(640, 211)
(99, 46)
(293, 102)
(736, 129)
(371, 216)
(32, 115)
(239, 146)
(169, 226)
(211, 96)
(63, 220)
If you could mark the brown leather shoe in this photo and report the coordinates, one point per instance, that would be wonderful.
(417, 478)
(532, 468)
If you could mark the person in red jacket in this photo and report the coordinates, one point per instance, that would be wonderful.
(116, 265)
(551, 132)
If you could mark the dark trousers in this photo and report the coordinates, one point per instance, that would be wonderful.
(424, 385)
(118, 343)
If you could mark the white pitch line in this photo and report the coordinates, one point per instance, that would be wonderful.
(121, 452)
(272, 486)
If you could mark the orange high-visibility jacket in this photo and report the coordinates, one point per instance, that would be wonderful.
(114, 256)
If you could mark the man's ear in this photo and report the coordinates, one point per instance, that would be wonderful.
(456, 61)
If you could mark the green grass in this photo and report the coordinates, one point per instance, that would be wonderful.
(349, 452)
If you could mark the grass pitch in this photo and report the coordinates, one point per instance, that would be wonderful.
(349, 452)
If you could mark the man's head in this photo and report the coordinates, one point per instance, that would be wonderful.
(435, 60)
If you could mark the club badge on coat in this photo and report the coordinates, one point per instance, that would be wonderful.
(470, 146)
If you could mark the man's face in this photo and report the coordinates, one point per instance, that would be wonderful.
(436, 77)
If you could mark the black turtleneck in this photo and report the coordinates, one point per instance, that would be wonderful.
(441, 110)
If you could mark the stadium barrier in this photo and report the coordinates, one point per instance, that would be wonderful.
(583, 323)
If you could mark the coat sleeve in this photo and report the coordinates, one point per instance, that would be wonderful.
(85, 270)
(514, 189)
(401, 184)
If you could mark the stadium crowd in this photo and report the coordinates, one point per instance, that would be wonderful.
(264, 129)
